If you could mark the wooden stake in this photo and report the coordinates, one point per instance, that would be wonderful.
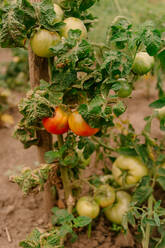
(38, 69)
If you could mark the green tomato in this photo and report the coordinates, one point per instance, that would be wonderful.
(125, 89)
(160, 113)
(87, 206)
(105, 196)
(143, 63)
(59, 13)
(73, 23)
(116, 212)
(42, 41)
(132, 166)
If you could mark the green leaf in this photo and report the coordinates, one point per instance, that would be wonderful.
(82, 221)
(61, 216)
(127, 151)
(158, 103)
(161, 181)
(119, 108)
(65, 229)
(51, 156)
(86, 4)
(120, 32)
(143, 191)
(47, 15)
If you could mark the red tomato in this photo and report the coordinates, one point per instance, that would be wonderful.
(58, 124)
(79, 126)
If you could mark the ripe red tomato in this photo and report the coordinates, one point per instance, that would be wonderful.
(79, 126)
(42, 41)
(58, 124)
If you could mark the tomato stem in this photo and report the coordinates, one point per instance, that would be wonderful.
(146, 240)
(117, 6)
(89, 230)
(66, 181)
(102, 144)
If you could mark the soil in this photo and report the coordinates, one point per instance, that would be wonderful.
(19, 214)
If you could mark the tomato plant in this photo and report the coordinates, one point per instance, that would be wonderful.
(58, 124)
(90, 79)
(78, 125)
(87, 206)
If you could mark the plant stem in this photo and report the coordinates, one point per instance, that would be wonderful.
(89, 230)
(100, 45)
(102, 144)
(66, 181)
(146, 239)
(117, 6)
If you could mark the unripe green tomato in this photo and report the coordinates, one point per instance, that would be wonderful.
(160, 113)
(59, 13)
(105, 196)
(87, 206)
(125, 89)
(42, 41)
(116, 212)
(143, 63)
(73, 23)
(134, 168)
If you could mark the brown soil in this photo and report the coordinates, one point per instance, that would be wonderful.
(19, 214)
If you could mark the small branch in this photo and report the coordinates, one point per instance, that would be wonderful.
(100, 45)
(126, 187)
(8, 235)
(102, 144)
(66, 181)
(146, 240)
(117, 6)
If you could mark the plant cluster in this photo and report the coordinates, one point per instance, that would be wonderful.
(84, 100)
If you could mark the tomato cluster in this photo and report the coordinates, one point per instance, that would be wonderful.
(115, 202)
(43, 40)
(62, 121)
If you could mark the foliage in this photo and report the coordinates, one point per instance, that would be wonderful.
(14, 74)
(29, 180)
(66, 223)
(87, 76)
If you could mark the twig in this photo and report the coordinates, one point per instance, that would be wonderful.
(102, 144)
(8, 235)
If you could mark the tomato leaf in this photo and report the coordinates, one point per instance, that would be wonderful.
(47, 15)
(82, 221)
(119, 108)
(17, 19)
(86, 4)
(143, 191)
(51, 156)
(158, 103)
